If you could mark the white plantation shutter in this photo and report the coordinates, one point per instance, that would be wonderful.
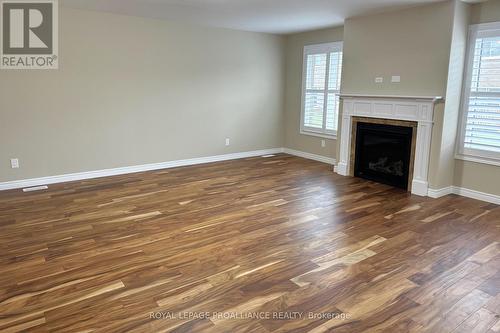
(321, 86)
(481, 104)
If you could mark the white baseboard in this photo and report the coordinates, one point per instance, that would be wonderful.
(433, 193)
(465, 192)
(131, 169)
(310, 156)
(16, 184)
(438, 193)
(419, 187)
(342, 169)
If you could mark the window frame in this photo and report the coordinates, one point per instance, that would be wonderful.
(316, 49)
(471, 154)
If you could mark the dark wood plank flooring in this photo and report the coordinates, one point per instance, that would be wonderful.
(278, 244)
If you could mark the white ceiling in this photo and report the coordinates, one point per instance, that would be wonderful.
(272, 16)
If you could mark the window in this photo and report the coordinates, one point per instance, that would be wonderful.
(320, 88)
(480, 132)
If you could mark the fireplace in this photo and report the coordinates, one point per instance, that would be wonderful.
(384, 150)
(406, 111)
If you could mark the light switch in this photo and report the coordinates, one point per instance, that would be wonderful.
(379, 79)
(14, 163)
(396, 79)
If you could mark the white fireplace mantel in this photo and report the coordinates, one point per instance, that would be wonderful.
(419, 109)
(433, 99)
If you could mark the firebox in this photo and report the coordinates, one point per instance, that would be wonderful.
(383, 153)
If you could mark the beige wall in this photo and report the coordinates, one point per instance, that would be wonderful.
(486, 12)
(470, 175)
(133, 91)
(294, 57)
(413, 43)
(477, 176)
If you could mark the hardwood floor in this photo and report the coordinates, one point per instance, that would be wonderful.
(278, 244)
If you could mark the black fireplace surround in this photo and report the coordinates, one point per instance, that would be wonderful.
(383, 153)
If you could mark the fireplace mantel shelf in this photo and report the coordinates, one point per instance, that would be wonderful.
(433, 99)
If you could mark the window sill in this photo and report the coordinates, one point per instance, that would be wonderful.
(477, 159)
(319, 135)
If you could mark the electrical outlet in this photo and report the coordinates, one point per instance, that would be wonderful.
(396, 79)
(14, 163)
(379, 80)
(323, 143)
(228, 142)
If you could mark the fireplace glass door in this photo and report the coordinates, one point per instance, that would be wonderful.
(383, 153)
